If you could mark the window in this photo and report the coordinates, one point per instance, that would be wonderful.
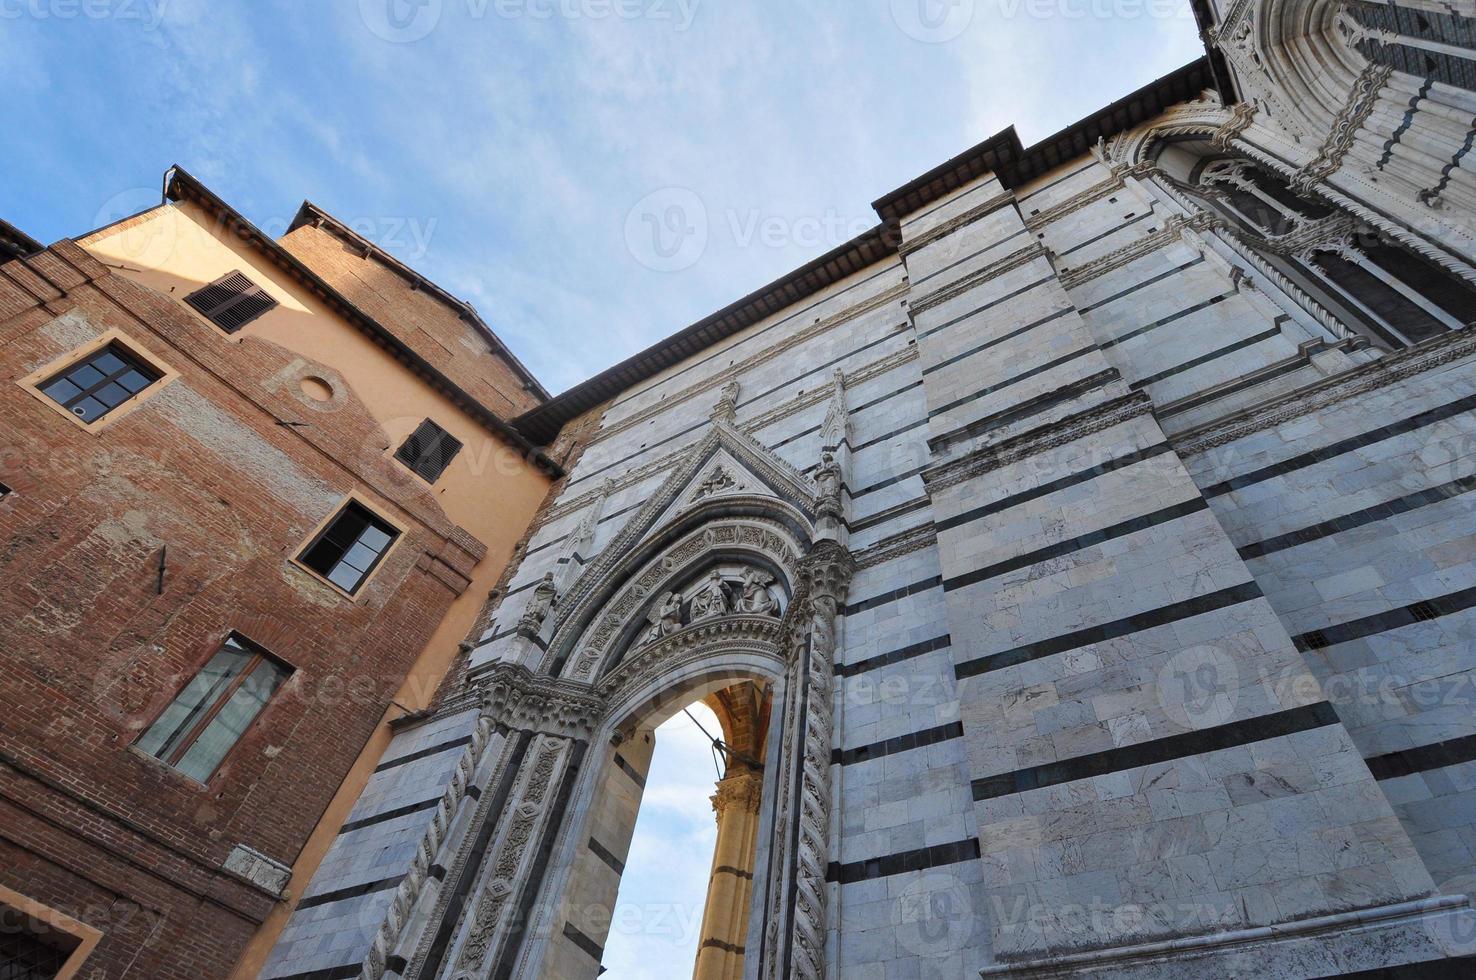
(231, 302)
(214, 710)
(350, 546)
(4, 491)
(29, 955)
(429, 450)
(100, 382)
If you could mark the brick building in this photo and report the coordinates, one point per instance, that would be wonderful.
(244, 491)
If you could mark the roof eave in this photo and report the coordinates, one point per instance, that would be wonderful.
(180, 184)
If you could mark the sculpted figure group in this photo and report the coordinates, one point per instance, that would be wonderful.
(711, 600)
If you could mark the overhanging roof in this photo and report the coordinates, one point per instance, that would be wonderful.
(179, 184)
(1001, 154)
(311, 214)
(16, 244)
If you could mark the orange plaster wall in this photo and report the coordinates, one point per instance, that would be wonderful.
(489, 489)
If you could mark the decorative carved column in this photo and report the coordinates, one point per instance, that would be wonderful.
(825, 575)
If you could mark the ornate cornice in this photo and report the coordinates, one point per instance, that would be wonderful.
(1009, 263)
(1387, 370)
(523, 701)
(897, 545)
(1027, 444)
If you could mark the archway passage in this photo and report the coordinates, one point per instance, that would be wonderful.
(696, 757)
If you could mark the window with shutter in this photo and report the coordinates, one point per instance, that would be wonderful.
(231, 302)
(429, 450)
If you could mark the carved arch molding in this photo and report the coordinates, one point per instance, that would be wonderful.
(490, 906)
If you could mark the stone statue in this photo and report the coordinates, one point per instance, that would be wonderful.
(545, 597)
(710, 600)
(828, 479)
(726, 408)
(757, 600)
(666, 618)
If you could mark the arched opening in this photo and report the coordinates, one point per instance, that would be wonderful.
(1371, 282)
(607, 898)
(675, 915)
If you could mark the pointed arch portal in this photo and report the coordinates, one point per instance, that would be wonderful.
(732, 574)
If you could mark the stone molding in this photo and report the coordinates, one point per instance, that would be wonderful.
(522, 701)
(408, 892)
(1172, 231)
(727, 375)
(1039, 440)
(1118, 181)
(799, 403)
(1009, 263)
(826, 576)
(1354, 113)
(993, 204)
(899, 544)
(1387, 370)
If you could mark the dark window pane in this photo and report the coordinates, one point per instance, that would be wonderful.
(108, 362)
(61, 390)
(89, 409)
(133, 381)
(112, 394)
(349, 548)
(99, 383)
(85, 376)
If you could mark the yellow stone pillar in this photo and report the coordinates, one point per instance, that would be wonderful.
(730, 889)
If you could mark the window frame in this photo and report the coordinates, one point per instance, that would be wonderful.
(259, 655)
(322, 529)
(86, 936)
(439, 440)
(255, 289)
(36, 380)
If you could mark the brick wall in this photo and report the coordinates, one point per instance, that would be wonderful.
(222, 481)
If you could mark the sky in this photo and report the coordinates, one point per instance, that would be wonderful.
(592, 174)
(657, 922)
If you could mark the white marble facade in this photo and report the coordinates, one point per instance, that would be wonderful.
(1125, 630)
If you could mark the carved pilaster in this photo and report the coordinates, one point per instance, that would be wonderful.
(826, 576)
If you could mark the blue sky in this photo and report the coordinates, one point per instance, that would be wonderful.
(592, 174)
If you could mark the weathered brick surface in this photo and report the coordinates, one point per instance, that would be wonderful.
(205, 478)
(432, 328)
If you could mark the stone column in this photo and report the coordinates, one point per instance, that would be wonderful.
(730, 890)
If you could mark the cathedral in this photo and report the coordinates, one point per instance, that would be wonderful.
(1081, 565)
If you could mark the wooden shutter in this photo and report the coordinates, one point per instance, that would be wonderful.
(231, 302)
